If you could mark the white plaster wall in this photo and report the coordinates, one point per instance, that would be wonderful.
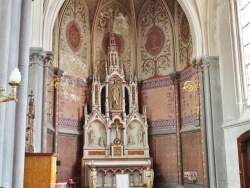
(230, 89)
(37, 23)
(232, 131)
(236, 121)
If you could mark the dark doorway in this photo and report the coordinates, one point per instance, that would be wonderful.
(244, 159)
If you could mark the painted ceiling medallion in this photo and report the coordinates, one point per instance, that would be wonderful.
(184, 29)
(118, 40)
(155, 40)
(73, 36)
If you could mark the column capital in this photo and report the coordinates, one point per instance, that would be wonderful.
(37, 56)
(49, 58)
(59, 72)
(203, 63)
(198, 64)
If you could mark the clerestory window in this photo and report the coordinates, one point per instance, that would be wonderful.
(245, 28)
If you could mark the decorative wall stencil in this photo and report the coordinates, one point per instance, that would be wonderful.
(71, 101)
(184, 29)
(100, 61)
(192, 155)
(114, 17)
(164, 104)
(155, 40)
(189, 99)
(156, 37)
(69, 158)
(74, 39)
(73, 35)
(185, 41)
(165, 158)
(171, 4)
(119, 43)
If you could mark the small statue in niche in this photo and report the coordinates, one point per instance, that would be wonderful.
(101, 142)
(115, 93)
(140, 137)
(91, 137)
(92, 178)
(149, 177)
(117, 126)
(131, 140)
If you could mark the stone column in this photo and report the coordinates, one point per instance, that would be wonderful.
(36, 79)
(197, 63)
(214, 120)
(176, 80)
(5, 16)
(47, 65)
(209, 126)
(9, 122)
(58, 76)
(21, 109)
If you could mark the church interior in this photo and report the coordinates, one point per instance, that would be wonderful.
(125, 93)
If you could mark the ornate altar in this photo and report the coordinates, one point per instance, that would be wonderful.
(115, 133)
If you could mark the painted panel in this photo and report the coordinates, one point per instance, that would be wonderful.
(165, 158)
(69, 155)
(192, 155)
(159, 97)
(189, 100)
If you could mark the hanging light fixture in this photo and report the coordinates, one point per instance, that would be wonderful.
(15, 79)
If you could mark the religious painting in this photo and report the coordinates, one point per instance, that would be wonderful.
(73, 36)
(117, 151)
(155, 40)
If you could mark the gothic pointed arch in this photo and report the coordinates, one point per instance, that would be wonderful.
(113, 17)
(156, 40)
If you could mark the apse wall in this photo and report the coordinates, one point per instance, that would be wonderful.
(71, 43)
(175, 128)
(155, 45)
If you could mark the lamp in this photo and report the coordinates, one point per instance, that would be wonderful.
(15, 79)
(58, 82)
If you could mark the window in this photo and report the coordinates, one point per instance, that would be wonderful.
(245, 26)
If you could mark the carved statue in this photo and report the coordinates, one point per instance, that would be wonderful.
(149, 177)
(139, 134)
(131, 140)
(116, 125)
(92, 178)
(91, 137)
(115, 93)
(101, 142)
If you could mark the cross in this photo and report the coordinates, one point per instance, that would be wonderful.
(116, 125)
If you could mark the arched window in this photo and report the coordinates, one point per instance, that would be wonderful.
(245, 28)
